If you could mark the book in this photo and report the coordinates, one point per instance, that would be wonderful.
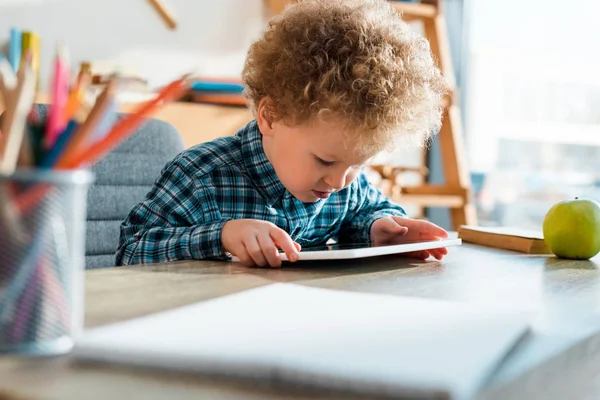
(218, 86)
(508, 238)
(218, 98)
(364, 343)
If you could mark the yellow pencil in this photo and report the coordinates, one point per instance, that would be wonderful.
(30, 42)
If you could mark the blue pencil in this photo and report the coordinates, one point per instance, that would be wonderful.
(14, 49)
(59, 146)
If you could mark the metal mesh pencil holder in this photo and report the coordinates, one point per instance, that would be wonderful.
(42, 249)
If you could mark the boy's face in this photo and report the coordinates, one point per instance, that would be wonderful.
(311, 160)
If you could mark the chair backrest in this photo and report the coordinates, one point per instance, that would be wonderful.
(122, 179)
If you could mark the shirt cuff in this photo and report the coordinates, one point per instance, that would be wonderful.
(365, 234)
(206, 240)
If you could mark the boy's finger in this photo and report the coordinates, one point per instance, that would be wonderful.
(244, 257)
(421, 255)
(285, 243)
(433, 229)
(424, 227)
(298, 246)
(254, 250)
(401, 230)
(438, 254)
(393, 226)
(269, 250)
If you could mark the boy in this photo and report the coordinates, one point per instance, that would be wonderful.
(331, 83)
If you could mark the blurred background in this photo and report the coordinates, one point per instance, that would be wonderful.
(531, 105)
(526, 71)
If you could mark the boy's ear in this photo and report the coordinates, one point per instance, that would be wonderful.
(264, 116)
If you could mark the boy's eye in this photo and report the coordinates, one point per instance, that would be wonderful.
(324, 162)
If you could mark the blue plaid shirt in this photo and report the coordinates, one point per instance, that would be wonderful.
(231, 178)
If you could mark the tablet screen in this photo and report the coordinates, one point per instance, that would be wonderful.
(349, 246)
(358, 250)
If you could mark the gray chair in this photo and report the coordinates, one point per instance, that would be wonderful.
(122, 179)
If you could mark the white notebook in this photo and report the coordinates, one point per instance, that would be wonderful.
(357, 342)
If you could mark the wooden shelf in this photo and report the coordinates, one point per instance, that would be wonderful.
(430, 200)
(440, 190)
(277, 6)
(415, 10)
(431, 195)
(196, 123)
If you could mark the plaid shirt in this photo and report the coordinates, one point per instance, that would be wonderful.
(231, 178)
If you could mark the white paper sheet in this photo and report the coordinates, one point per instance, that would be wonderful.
(350, 341)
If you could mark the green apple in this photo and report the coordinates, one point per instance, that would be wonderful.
(572, 229)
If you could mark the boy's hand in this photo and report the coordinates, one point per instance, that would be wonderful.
(399, 230)
(255, 242)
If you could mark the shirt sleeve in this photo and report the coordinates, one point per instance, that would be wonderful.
(179, 220)
(367, 204)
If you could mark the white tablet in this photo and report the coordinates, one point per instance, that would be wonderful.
(361, 250)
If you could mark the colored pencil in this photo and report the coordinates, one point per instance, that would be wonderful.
(86, 129)
(126, 126)
(13, 124)
(60, 93)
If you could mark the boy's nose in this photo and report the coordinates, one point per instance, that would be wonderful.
(336, 181)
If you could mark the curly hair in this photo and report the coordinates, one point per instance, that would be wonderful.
(354, 60)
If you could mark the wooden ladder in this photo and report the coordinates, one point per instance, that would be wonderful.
(455, 193)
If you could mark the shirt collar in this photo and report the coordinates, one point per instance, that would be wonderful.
(257, 165)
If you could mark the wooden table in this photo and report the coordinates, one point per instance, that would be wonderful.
(564, 295)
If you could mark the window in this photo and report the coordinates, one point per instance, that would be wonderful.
(532, 106)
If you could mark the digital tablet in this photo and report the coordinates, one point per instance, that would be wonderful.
(361, 250)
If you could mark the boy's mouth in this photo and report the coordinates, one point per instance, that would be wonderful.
(321, 195)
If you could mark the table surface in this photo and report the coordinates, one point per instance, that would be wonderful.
(560, 359)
